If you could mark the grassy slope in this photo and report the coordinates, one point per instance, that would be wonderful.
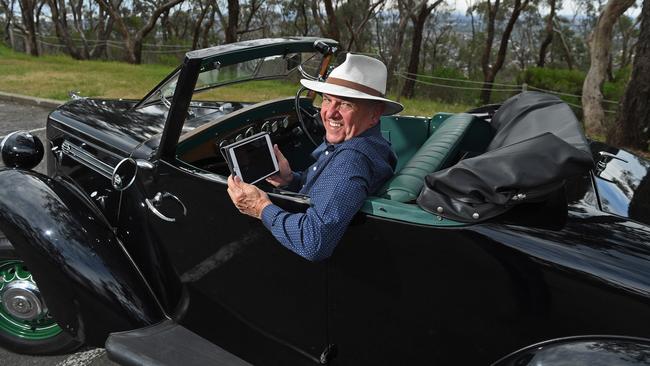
(53, 76)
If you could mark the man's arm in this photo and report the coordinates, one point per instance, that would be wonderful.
(336, 197)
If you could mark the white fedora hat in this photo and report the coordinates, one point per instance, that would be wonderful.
(359, 77)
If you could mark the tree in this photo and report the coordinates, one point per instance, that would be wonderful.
(490, 70)
(30, 11)
(600, 44)
(60, 20)
(133, 38)
(418, 19)
(331, 28)
(631, 128)
(549, 34)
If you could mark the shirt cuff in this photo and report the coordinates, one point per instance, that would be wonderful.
(269, 213)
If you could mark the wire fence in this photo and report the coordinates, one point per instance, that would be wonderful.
(496, 88)
(452, 90)
(114, 50)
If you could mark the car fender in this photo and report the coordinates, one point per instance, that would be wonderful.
(83, 272)
(584, 350)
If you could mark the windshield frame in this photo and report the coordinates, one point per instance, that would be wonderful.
(236, 53)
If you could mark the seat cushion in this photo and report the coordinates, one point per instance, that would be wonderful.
(439, 149)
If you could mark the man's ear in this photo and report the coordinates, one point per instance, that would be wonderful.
(378, 111)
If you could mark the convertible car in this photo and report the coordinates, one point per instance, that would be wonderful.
(503, 229)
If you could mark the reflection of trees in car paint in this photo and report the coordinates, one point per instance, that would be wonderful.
(626, 179)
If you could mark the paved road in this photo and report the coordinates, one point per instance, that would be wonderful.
(14, 116)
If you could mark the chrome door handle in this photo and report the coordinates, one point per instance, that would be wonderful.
(153, 203)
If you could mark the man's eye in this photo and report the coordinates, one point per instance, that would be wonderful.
(347, 106)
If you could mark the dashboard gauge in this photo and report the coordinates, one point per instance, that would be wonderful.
(266, 126)
(249, 132)
(274, 126)
(223, 143)
(239, 137)
(285, 122)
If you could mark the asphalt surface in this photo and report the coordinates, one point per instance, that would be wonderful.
(22, 116)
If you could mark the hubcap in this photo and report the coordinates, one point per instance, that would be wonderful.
(23, 312)
(23, 300)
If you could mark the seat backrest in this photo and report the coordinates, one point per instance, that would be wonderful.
(438, 151)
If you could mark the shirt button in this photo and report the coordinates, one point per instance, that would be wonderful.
(327, 152)
(314, 169)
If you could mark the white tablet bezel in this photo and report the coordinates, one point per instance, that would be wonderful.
(235, 163)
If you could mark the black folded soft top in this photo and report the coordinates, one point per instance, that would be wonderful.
(538, 143)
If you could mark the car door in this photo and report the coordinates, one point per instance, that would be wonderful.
(248, 293)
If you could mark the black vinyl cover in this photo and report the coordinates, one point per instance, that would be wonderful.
(538, 143)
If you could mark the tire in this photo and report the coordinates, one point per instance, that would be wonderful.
(38, 335)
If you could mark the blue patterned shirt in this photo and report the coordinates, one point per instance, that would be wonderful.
(338, 183)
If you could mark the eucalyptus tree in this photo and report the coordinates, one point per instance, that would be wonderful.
(600, 44)
(27, 22)
(632, 128)
(418, 18)
(510, 10)
(148, 12)
(553, 6)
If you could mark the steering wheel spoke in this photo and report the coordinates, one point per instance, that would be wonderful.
(309, 118)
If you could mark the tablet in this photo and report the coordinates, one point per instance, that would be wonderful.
(251, 159)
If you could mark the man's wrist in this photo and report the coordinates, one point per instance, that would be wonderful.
(261, 206)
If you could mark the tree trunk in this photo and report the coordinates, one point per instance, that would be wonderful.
(492, 10)
(133, 43)
(414, 60)
(208, 26)
(233, 21)
(396, 48)
(600, 44)
(61, 28)
(631, 128)
(567, 50)
(196, 34)
(490, 71)
(332, 25)
(549, 35)
(27, 10)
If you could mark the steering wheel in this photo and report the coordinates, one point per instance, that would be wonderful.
(309, 118)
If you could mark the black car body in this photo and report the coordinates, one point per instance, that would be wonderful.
(132, 226)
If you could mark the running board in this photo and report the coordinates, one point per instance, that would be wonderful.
(167, 343)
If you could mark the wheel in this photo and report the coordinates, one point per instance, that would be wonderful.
(26, 326)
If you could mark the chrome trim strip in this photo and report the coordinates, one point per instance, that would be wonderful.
(85, 158)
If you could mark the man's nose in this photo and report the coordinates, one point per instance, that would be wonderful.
(332, 111)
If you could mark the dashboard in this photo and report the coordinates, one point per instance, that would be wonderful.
(201, 146)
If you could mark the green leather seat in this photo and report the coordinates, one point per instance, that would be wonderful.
(437, 151)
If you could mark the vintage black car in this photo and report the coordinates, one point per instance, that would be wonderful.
(132, 235)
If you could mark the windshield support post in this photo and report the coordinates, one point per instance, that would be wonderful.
(179, 108)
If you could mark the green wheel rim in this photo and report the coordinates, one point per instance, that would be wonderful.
(43, 327)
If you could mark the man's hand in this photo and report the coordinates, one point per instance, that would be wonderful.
(285, 175)
(248, 199)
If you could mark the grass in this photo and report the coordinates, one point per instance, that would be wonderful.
(54, 76)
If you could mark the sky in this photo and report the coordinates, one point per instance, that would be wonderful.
(568, 9)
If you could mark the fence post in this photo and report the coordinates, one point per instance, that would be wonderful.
(524, 87)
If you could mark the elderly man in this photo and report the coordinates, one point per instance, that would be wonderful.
(353, 162)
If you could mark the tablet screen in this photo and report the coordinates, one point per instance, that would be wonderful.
(254, 159)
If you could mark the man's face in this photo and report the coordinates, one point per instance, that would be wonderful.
(345, 118)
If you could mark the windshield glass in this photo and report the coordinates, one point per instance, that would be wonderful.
(265, 68)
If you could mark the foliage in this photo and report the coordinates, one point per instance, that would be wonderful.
(53, 76)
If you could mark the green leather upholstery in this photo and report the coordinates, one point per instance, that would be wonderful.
(442, 147)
